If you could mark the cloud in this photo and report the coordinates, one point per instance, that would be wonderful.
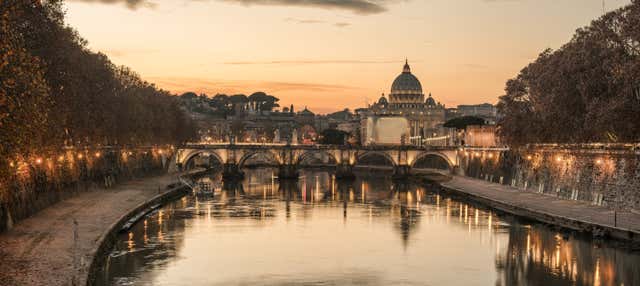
(121, 53)
(309, 62)
(304, 21)
(131, 4)
(179, 84)
(313, 21)
(362, 7)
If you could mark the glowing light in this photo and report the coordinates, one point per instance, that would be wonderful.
(39, 161)
(559, 159)
(98, 154)
(80, 156)
(529, 157)
(61, 158)
(11, 164)
(477, 154)
(599, 161)
(160, 152)
(490, 155)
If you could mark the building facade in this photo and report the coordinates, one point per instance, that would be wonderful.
(424, 117)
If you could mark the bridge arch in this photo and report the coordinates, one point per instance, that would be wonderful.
(195, 153)
(311, 153)
(432, 160)
(372, 154)
(270, 156)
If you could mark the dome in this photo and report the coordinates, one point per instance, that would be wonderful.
(406, 82)
(382, 100)
(430, 101)
(306, 112)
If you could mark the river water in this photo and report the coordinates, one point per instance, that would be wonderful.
(368, 232)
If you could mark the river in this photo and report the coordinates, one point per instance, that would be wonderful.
(368, 232)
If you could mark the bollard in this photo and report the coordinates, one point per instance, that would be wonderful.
(76, 267)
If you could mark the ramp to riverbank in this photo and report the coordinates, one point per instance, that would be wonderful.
(571, 214)
(40, 250)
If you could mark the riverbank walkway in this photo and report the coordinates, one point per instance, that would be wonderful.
(543, 206)
(40, 249)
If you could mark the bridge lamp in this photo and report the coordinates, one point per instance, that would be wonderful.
(490, 155)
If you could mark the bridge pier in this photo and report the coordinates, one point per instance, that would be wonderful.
(401, 172)
(457, 170)
(232, 172)
(288, 172)
(345, 172)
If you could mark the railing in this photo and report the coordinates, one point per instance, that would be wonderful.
(227, 145)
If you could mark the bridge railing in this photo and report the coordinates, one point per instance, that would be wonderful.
(227, 145)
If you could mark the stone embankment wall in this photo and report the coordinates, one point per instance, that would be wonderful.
(42, 182)
(601, 174)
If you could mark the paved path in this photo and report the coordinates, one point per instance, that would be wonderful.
(545, 204)
(39, 249)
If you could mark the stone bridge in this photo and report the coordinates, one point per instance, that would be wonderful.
(289, 158)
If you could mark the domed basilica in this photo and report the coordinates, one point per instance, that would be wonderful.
(406, 100)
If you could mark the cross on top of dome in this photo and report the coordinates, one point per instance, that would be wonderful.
(407, 68)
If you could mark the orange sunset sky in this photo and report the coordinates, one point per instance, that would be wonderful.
(329, 55)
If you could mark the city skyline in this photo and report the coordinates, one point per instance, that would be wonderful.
(330, 56)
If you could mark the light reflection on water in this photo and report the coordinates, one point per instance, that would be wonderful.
(368, 232)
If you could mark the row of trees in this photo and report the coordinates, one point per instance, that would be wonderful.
(586, 91)
(55, 92)
(222, 105)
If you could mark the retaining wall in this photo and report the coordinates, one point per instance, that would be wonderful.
(602, 175)
(36, 185)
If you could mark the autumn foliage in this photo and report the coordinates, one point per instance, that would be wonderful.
(586, 91)
(55, 92)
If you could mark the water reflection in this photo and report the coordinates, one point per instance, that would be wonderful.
(367, 232)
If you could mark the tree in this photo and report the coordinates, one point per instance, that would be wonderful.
(582, 92)
(58, 92)
(333, 137)
(189, 95)
(24, 94)
(462, 122)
